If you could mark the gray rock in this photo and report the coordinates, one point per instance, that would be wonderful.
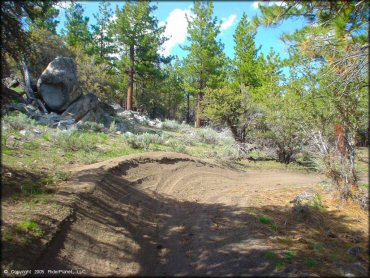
(22, 107)
(36, 115)
(118, 108)
(331, 234)
(135, 116)
(108, 109)
(81, 107)
(23, 132)
(98, 115)
(58, 84)
(65, 124)
(93, 115)
(11, 81)
(351, 270)
(27, 109)
(304, 200)
(50, 119)
(355, 251)
(121, 127)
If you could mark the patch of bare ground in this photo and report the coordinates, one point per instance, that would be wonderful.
(172, 214)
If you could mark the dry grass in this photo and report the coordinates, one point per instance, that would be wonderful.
(317, 250)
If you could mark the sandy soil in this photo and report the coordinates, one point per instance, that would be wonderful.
(170, 214)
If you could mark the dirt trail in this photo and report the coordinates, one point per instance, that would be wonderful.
(168, 214)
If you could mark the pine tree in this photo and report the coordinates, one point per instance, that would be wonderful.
(268, 71)
(77, 32)
(139, 35)
(15, 17)
(337, 39)
(234, 104)
(245, 54)
(205, 60)
(48, 21)
(102, 38)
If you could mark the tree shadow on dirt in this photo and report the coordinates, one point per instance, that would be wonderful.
(18, 184)
(122, 228)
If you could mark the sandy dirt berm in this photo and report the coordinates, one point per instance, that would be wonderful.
(167, 214)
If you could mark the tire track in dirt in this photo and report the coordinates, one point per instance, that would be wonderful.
(166, 214)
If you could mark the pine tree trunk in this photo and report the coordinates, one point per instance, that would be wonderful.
(142, 94)
(339, 137)
(169, 106)
(188, 108)
(101, 45)
(131, 80)
(136, 97)
(198, 122)
(233, 129)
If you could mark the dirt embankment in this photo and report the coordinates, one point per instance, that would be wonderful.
(170, 214)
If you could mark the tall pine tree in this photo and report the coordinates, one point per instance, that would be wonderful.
(102, 39)
(140, 36)
(245, 50)
(205, 59)
(77, 27)
(338, 38)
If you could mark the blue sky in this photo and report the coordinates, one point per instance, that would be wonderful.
(230, 12)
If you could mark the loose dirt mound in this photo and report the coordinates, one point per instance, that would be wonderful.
(169, 214)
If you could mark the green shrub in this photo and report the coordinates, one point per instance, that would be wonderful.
(7, 236)
(317, 246)
(180, 149)
(33, 145)
(186, 139)
(32, 188)
(207, 135)
(103, 138)
(147, 138)
(75, 141)
(274, 227)
(279, 265)
(290, 255)
(131, 140)
(18, 121)
(364, 185)
(142, 140)
(113, 127)
(30, 226)
(88, 157)
(257, 155)
(176, 146)
(270, 255)
(171, 124)
(265, 220)
(311, 262)
(226, 137)
(317, 203)
(62, 176)
(231, 152)
(46, 137)
(91, 126)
